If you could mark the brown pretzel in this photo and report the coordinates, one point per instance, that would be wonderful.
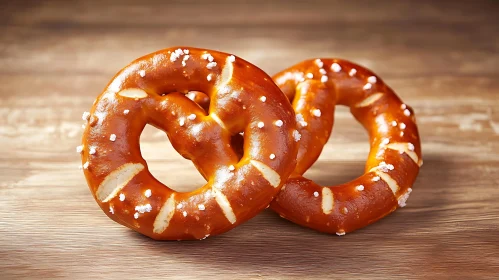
(315, 87)
(151, 90)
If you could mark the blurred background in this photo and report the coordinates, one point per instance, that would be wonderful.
(441, 57)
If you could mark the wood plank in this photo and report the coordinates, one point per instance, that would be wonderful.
(402, 50)
(259, 12)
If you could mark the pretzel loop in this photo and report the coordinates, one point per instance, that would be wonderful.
(151, 90)
(394, 158)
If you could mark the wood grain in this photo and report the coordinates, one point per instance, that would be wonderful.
(439, 56)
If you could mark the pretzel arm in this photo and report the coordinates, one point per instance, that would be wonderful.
(394, 157)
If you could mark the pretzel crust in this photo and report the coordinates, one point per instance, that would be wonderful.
(314, 87)
(152, 90)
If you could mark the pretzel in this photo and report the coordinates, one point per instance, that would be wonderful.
(315, 87)
(151, 90)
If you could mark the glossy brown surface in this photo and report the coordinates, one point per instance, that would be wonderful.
(151, 90)
(315, 86)
(440, 57)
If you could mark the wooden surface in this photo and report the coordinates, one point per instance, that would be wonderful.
(441, 57)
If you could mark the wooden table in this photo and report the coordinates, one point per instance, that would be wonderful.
(441, 57)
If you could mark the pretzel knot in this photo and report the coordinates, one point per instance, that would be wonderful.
(151, 90)
(315, 87)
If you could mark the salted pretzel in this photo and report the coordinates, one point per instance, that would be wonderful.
(152, 90)
(314, 87)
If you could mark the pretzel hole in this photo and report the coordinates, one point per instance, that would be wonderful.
(345, 153)
(201, 98)
(166, 164)
(237, 144)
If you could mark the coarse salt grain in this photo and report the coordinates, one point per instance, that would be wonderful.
(335, 67)
(410, 146)
(383, 166)
(296, 135)
(299, 117)
(85, 116)
(179, 52)
(174, 56)
(301, 120)
(143, 208)
(319, 63)
(211, 65)
(403, 198)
